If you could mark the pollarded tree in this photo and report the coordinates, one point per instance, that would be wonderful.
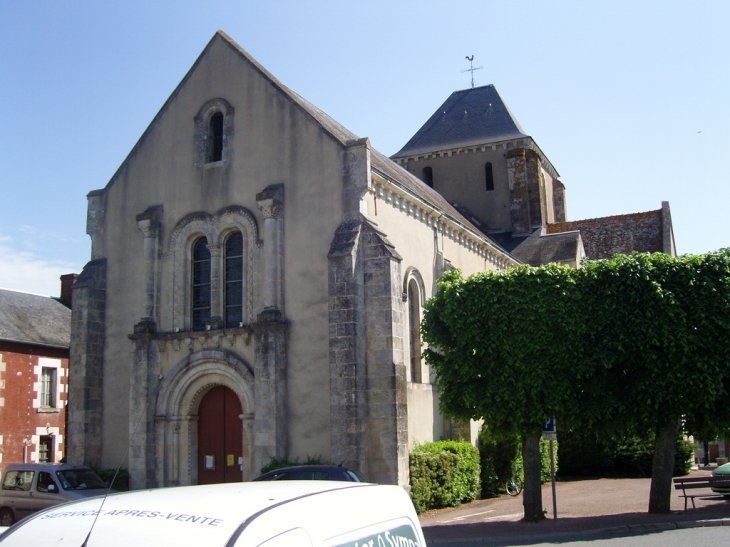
(508, 352)
(636, 343)
(660, 346)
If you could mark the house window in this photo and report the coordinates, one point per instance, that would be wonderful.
(48, 387)
(201, 284)
(45, 449)
(428, 176)
(234, 280)
(414, 326)
(489, 176)
(215, 138)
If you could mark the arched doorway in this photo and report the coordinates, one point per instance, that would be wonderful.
(220, 438)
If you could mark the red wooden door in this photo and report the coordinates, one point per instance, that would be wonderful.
(220, 437)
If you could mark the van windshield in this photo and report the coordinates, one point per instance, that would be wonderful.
(80, 479)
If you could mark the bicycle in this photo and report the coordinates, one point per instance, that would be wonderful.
(514, 486)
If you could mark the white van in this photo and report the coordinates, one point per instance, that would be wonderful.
(253, 514)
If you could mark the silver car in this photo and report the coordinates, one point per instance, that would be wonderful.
(30, 487)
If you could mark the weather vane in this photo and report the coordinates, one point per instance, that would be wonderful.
(471, 68)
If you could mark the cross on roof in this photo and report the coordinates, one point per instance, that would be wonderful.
(471, 68)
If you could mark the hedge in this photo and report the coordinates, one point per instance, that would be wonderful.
(444, 474)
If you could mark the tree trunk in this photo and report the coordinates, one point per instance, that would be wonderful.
(660, 495)
(532, 494)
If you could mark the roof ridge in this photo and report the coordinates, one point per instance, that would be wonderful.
(607, 217)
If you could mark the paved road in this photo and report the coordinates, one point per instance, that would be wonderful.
(612, 506)
(709, 536)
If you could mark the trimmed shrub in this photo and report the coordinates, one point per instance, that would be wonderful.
(498, 456)
(121, 482)
(586, 454)
(444, 474)
(431, 479)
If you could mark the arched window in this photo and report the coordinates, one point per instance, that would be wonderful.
(201, 284)
(489, 176)
(414, 326)
(234, 280)
(215, 138)
(428, 176)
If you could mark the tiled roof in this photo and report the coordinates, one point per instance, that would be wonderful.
(620, 234)
(468, 117)
(33, 319)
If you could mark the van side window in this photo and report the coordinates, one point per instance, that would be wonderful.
(44, 481)
(18, 480)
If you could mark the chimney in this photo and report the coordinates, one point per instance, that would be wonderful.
(67, 283)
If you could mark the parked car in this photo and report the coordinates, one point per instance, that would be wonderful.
(252, 514)
(722, 471)
(30, 487)
(313, 473)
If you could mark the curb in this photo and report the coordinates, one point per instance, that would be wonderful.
(614, 530)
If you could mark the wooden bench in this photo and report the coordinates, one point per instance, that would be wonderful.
(691, 483)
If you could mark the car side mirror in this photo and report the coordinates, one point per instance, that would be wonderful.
(52, 488)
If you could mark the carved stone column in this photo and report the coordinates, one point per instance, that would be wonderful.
(270, 427)
(270, 203)
(216, 313)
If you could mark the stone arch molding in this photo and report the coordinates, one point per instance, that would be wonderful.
(176, 412)
(412, 274)
(214, 228)
(201, 121)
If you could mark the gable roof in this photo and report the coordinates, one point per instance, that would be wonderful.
(619, 234)
(333, 128)
(34, 319)
(468, 117)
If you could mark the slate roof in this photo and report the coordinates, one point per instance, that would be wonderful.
(619, 234)
(468, 117)
(33, 319)
(541, 248)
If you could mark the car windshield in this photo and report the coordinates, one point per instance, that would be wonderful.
(80, 479)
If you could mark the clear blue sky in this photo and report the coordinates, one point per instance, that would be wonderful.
(628, 99)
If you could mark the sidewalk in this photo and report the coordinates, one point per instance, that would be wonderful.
(589, 506)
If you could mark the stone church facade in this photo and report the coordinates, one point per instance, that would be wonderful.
(257, 279)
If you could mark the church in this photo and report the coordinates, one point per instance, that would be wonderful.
(258, 274)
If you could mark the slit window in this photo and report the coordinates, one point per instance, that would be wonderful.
(489, 176)
(234, 280)
(428, 176)
(215, 136)
(201, 284)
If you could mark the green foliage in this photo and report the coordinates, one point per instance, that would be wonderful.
(545, 472)
(501, 459)
(121, 482)
(444, 474)
(498, 454)
(508, 346)
(587, 454)
(431, 479)
(275, 463)
(624, 346)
